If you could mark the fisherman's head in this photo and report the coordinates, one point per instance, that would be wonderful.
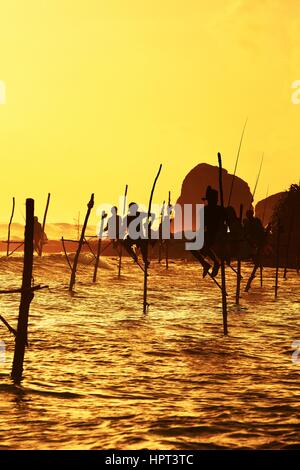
(114, 210)
(211, 196)
(249, 214)
(35, 218)
(133, 207)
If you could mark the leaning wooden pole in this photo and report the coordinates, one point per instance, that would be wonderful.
(9, 225)
(26, 295)
(223, 274)
(145, 303)
(121, 247)
(239, 265)
(80, 243)
(44, 224)
(277, 258)
(99, 246)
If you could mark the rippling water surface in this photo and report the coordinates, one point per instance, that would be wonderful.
(99, 374)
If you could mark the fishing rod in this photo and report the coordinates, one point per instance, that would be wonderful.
(265, 206)
(236, 162)
(258, 176)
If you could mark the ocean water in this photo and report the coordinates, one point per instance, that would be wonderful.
(99, 374)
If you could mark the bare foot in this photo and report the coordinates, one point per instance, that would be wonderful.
(215, 269)
(206, 268)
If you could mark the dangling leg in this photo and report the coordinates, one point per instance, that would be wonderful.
(206, 266)
(128, 243)
(142, 244)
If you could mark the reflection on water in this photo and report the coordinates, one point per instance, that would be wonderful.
(99, 374)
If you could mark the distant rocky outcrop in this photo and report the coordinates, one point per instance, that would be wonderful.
(264, 208)
(54, 231)
(195, 183)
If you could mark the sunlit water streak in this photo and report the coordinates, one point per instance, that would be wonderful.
(99, 374)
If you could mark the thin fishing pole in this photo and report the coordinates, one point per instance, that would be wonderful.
(236, 162)
(258, 176)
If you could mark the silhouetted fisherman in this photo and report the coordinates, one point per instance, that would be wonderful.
(235, 235)
(256, 236)
(134, 233)
(214, 232)
(164, 228)
(113, 226)
(39, 236)
(254, 233)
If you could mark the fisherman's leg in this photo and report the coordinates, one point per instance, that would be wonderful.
(206, 266)
(212, 255)
(127, 244)
(142, 244)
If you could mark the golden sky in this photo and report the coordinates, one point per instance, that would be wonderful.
(100, 92)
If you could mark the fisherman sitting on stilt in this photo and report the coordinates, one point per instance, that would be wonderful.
(134, 235)
(214, 232)
(113, 226)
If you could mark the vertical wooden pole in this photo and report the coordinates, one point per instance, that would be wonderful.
(10, 221)
(288, 245)
(160, 241)
(145, 303)
(99, 247)
(277, 258)
(44, 223)
(121, 247)
(81, 240)
(167, 241)
(239, 264)
(223, 274)
(26, 295)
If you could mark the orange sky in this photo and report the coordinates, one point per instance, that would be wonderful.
(100, 92)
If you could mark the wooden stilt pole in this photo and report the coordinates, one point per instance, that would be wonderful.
(145, 303)
(223, 274)
(10, 221)
(277, 258)
(261, 275)
(65, 252)
(26, 295)
(239, 265)
(99, 246)
(252, 276)
(81, 241)
(17, 247)
(167, 241)
(121, 246)
(288, 246)
(87, 243)
(160, 241)
(44, 223)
